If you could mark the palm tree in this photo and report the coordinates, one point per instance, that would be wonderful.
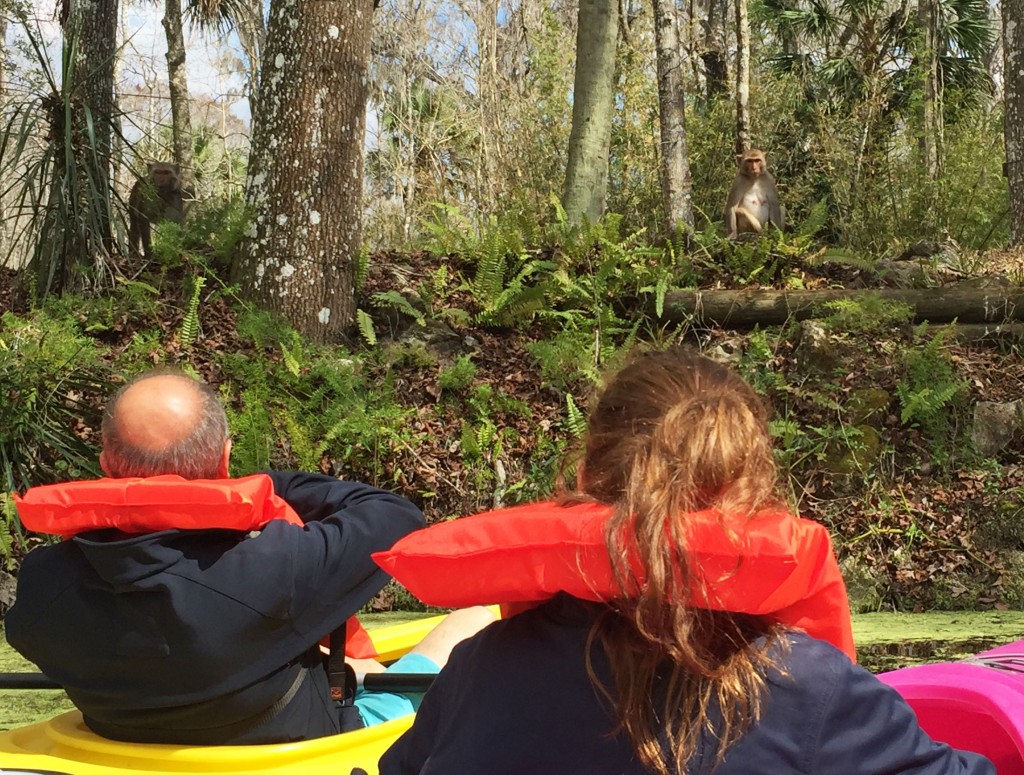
(853, 49)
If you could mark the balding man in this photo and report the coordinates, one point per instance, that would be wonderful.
(187, 607)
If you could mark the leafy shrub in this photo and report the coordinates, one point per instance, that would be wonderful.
(51, 377)
(311, 406)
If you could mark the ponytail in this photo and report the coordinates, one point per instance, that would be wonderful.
(674, 433)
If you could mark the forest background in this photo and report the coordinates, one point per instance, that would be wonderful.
(421, 232)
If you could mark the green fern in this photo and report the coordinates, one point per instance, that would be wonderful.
(815, 220)
(450, 232)
(10, 528)
(575, 419)
(305, 451)
(365, 323)
(491, 268)
(291, 359)
(362, 267)
(843, 257)
(397, 301)
(932, 394)
(189, 330)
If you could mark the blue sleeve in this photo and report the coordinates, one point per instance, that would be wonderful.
(868, 728)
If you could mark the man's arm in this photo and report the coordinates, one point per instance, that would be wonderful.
(331, 573)
(316, 496)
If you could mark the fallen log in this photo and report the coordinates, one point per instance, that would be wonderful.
(747, 308)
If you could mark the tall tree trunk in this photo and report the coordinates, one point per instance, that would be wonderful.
(993, 56)
(675, 161)
(252, 36)
(716, 68)
(1013, 70)
(177, 83)
(742, 77)
(489, 85)
(306, 165)
(931, 109)
(586, 176)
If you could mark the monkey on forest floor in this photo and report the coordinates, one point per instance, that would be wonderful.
(753, 200)
(155, 197)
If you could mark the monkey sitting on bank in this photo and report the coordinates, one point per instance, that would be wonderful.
(156, 197)
(753, 200)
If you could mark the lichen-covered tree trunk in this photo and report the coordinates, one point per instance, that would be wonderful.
(676, 193)
(742, 77)
(177, 82)
(586, 175)
(716, 66)
(1013, 71)
(305, 180)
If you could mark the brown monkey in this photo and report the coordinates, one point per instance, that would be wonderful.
(753, 200)
(156, 197)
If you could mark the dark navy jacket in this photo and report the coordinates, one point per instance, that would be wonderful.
(190, 636)
(516, 699)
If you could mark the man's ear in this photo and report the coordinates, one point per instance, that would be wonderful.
(225, 461)
(103, 463)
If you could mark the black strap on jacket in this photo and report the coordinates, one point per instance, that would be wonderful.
(342, 679)
(340, 675)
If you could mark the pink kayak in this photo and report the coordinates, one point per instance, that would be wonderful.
(975, 705)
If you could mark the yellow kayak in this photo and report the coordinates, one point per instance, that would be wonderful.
(64, 745)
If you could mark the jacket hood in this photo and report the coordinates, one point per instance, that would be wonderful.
(126, 560)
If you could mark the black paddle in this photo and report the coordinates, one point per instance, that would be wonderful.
(374, 682)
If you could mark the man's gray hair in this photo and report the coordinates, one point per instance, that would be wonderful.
(196, 456)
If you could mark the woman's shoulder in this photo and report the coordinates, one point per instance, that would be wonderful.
(804, 663)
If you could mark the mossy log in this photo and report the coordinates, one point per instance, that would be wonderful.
(744, 309)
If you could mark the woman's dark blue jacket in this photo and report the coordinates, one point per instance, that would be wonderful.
(517, 699)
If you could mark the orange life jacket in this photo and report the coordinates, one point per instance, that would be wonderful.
(146, 505)
(773, 564)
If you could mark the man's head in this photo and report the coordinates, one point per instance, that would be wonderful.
(165, 422)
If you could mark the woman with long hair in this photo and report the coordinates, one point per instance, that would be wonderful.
(648, 682)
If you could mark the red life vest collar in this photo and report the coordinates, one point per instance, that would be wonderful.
(137, 505)
(146, 505)
(774, 564)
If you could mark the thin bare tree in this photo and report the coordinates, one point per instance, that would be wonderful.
(1013, 127)
(586, 176)
(930, 138)
(177, 84)
(716, 63)
(676, 195)
(742, 77)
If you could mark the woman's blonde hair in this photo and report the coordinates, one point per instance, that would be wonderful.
(673, 433)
